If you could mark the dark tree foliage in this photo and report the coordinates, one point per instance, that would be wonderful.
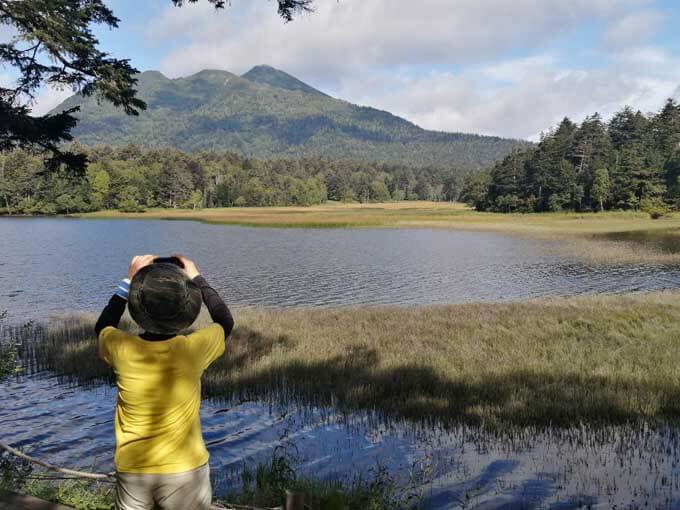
(633, 162)
(54, 45)
(287, 8)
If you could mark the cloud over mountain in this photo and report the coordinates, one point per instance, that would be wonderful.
(381, 52)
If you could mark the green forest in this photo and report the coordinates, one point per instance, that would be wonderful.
(133, 179)
(266, 114)
(631, 162)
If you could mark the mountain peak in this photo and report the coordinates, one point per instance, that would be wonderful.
(269, 113)
(273, 77)
(148, 77)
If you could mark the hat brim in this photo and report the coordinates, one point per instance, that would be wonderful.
(163, 299)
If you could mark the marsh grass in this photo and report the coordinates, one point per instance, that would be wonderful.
(262, 485)
(266, 483)
(581, 233)
(560, 362)
(20, 476)
(600, 250)
(412, 214)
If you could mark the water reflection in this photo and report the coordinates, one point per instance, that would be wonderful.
(57, 265)
(665, 241)
(460, 467)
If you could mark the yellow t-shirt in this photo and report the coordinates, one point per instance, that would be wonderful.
(157, 423)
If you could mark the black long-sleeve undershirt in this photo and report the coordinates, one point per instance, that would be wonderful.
(218, 310)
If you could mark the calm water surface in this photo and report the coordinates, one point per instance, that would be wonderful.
(50, 266)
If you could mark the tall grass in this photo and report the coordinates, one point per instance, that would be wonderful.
(413, 214)
(263, 486)
(582, 232)
(600, 359)
(8, 352)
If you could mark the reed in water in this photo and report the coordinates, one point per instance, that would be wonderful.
(600, 359)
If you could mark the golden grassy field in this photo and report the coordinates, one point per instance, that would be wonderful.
(581, 232)
(412, 214)
(600, 359)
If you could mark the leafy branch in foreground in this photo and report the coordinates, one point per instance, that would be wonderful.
(287, 9)
(53, 44)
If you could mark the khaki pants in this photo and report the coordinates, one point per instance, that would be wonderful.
(190, 490)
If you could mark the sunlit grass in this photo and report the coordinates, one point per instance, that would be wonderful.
(263, 485)
(581, 232)
(607, 359)
(412, 214)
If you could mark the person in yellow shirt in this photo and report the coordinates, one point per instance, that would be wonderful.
(161, 459)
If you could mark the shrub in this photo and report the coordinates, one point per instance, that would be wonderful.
(655, 207)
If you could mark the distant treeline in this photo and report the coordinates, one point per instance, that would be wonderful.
(632, 162)
(132, 179)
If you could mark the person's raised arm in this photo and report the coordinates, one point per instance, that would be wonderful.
(217, 308)
(113, 311)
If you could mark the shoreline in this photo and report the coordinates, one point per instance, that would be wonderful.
(581, 235)
(405, 214)
(445, 215)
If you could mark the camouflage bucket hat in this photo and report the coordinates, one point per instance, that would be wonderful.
(163, 300)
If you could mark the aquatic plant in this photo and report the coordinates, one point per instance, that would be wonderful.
(547, 362)
(266, 484)
(8, 352)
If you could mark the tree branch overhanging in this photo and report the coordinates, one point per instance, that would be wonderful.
(63, 52)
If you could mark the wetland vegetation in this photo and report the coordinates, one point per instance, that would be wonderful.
(549, 362)
(414, 214)
(587, 236)
(263, 485)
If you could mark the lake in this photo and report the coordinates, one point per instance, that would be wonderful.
(55, 265)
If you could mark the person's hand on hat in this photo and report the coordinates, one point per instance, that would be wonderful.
(189, 267)
(138, 262)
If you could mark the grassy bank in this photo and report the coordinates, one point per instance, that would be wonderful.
(263, 486)
(582, 233)
(412, 214)
(555, 361)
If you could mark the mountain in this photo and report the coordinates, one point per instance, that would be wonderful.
(267, 75)
(269, 113)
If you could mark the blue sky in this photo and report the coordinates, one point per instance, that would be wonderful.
(501, 67)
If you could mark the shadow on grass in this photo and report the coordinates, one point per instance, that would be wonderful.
(355, 381)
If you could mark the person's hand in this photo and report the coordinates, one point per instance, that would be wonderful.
(138, 262)
(189, 267)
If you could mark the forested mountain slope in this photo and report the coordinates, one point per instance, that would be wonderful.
(268, 113)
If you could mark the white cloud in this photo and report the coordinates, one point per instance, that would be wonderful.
(350, 35)
(49, 98)
(634, 28)
(531, 95)
(518, 69)
(444, 65)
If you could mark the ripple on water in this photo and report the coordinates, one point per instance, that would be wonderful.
(299, 267)
(602, 467)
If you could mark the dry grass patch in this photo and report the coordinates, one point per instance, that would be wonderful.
(580, 232)
(556, 361)
(413, 214)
